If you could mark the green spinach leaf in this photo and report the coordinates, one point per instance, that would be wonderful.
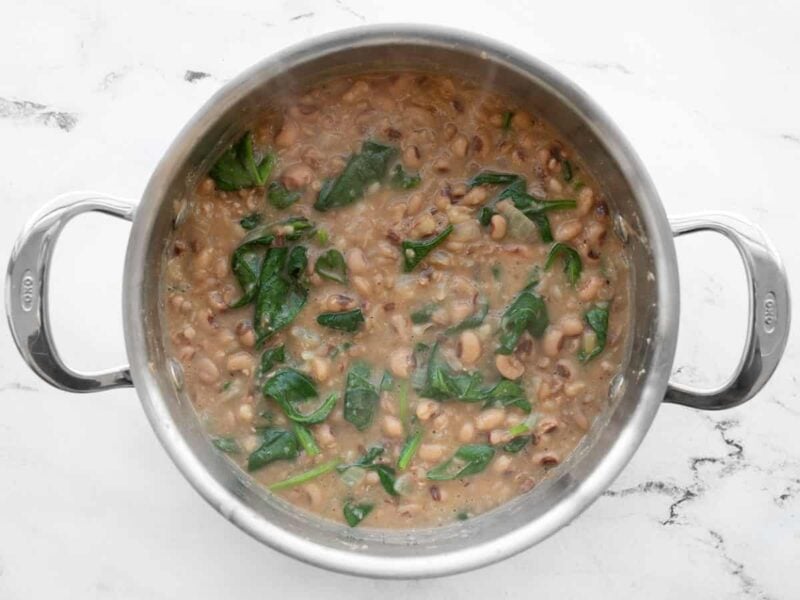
(355, 513)
(306, 439)
(289, 387)
(271, 357)
(349, 320)
(468, 460)
(474, 320)
(331, 265)
(360, 397)
(424, 314)
(410, 447)
(507, 116)
(228, 445)
(276, 444)
(517, 444)
(492, 178)
(572, 261)
(280, 197)
(527, 312)
(248, 222)
(597, 319)
(404, 181)
(387, 382)
(280, 295)
(566, 170)
(416, 250)
(507, 393)
(304, 477)
(237, 167)
(363, 169)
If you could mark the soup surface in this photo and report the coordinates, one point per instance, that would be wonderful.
(397, 300)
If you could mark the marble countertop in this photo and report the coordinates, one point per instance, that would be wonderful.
(91, 93)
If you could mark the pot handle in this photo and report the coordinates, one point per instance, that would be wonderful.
(768, 313)
(27, 301)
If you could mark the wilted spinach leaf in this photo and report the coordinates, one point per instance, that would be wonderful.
(527, 312)
(228, 445)
(271, 357)
(249, 221)
(237, 167)
(468, 460)
(360, 397)
(402, 180)
(355, 513)
(597, 318)
(363, 169)
(572, 261)
(289, 387)
(349, 320)
(474, 320)
(424, 314)
(277, 444)
(280, 197)
(492, 178)
(416, 250)
(517, 444)
(331, 265)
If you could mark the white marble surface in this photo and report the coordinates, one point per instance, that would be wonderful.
(92, 92)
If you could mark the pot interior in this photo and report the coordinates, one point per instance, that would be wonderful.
(614, 436)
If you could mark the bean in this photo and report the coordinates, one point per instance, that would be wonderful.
(401, 361)
(401, 325)
(288, 134)
(241, 361)
(590, 289)
(546, 459)
(324, 435)
(425, 409)
(501, 464)
(551, 342)
(567, 230)
(412, 157)
(475, 196)
(585, 201)
(459, 145)
(430, 452)
(571, 325)
(297, 176)
(392, 426)
(490, 418)
(425, 225)
(466, 433)
(498, 227)
(414, 203)
(469, 347)
(206, 370)
(320, 368)
(362, 285)
(509, 366)
(547, 425)
(499, 436)
(356, 261)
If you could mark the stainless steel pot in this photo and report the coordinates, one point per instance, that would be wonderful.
(514, 526)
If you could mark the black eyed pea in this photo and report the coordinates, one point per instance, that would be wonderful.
(571, 325)
(490, 418)
(401, 362)
(467, 433)
(469, 347)
(241, 361)
(552, 340)
(392, 426)
(206, 370)
(475, 196)
(356, 261)
(431, 452)
(425, 410)
(509, 366)
(568, 230)
(297, 176)
(498, 227)
(288, 134)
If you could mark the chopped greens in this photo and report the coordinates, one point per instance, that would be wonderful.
(306, 439)
(271, 357)
(475, 319)
(276, 444)
(250, 221)
(355, 513)
(507, 116)
(349, 320)
(492, 178)
(566, 170)
(402, 180)
(440, 382)
(517, 444)
(386, 474)
(424, 314)
(468, 460)
(414, 251)
(360, 397)
(228, 445)
(331, 265)
(387, 382)
(280, 197)
(238, 168)
(289, 387)
(281, 293)
(572, 261)
(527, 312)
(363, 169)
(597, 319)
(412, 444)
(302, 478)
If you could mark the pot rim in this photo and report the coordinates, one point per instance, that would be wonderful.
(653, 383)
